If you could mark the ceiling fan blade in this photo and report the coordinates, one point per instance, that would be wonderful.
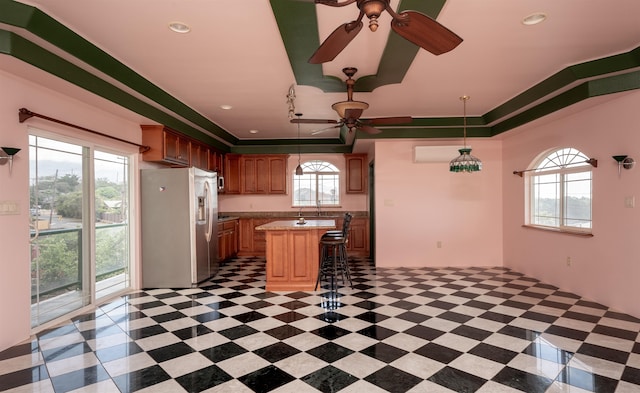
(425, 32)
(352, 113)
(313, 121)
(368, 129)
(388, 120)
(320, 131)
(336, 42)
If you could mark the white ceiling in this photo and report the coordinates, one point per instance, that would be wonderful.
(234, 55)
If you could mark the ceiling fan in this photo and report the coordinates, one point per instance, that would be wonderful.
(350, 112)
(414, 26)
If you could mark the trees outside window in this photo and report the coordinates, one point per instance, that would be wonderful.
(560, 194)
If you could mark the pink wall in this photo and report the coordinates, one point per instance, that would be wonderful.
(14, 229)
(283, 203)
(605, 267)
(418, 205)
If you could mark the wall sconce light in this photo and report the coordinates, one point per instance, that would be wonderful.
(624, 162)
(6, 154)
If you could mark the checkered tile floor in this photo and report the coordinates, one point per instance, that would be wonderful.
(398, 330)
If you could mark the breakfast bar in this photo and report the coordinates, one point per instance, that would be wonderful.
(292, 253)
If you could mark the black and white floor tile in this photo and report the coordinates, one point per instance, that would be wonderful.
(485, 330)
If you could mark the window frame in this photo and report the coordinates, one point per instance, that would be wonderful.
(563, 163)
(318, 169)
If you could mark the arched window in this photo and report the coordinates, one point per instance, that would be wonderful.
(318, 186)
(560, 191)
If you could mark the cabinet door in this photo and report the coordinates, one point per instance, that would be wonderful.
(170, 146)
(199, 156)
(359, 236)
(232, 174)
(262, 175)
(221, 244)
(259, 237)
(245, 236)
(235, 239)
(248, 175)
(184, 147)
(278, 175)
(356, 173)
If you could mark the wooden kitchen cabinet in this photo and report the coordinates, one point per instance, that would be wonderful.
(278, 174)
(199, 156)
(227, 239)
(166, 146)
(356, 173)
(216, 162)
(232, 173)
(256, 174)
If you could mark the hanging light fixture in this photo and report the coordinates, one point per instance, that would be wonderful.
(299, 171)
(465, 162)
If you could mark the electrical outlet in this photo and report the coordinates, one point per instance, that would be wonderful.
(569, 261)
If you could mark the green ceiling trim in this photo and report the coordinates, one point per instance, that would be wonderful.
(42, 25)
(564, 78)
(289, 150)
(20, 48)
(429, 133)
(603, 86)
(298, 24)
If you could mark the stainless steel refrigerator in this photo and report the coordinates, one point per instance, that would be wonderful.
(179, 209)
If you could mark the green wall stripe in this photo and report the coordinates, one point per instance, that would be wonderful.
(22, 49)
(605, 85)
(47, 28)
(565, 77)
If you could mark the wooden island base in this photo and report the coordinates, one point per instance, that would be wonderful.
(293, 253)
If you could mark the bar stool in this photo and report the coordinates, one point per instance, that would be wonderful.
(333, 260)
(333, 254)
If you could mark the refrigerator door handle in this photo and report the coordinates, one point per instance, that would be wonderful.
(209, 207)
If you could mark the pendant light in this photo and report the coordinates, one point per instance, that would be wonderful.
(299, 171)
(465, 162)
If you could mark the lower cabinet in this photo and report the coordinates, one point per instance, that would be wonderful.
(227, 239)
(254, 243)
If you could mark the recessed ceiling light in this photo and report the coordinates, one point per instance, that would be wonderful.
(534, 18)
(253, 131)
(179, 27)
(226, 107)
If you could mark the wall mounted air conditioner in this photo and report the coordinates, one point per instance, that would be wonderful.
(436, 153)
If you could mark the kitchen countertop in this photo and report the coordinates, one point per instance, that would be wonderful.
(227, 218)
(293, 225)
(279, 215)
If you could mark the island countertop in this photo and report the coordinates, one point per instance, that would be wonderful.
(294, 225)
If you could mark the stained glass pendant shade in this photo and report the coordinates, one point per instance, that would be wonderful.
(465, 162)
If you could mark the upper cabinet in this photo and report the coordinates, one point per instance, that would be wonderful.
(172, 148)
(199, 156)
(357, 173)
(165, 145)
(256, 173)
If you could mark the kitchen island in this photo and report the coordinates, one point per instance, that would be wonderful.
(293, 252)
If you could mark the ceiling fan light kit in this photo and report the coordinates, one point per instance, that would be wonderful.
(350, 112)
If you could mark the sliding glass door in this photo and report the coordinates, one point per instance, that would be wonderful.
(111, 185)
(79, 226)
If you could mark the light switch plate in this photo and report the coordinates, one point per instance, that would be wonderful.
(9, 207)
(630, 201)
